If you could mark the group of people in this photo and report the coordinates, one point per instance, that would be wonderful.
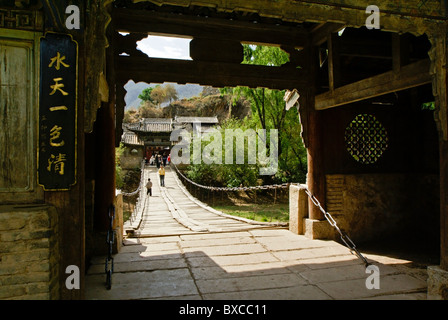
(159, 160)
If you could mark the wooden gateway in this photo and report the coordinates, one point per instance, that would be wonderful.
(377, 159)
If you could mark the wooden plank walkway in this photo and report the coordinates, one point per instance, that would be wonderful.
(173, 211)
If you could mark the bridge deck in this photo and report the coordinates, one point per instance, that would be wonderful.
(171, 210)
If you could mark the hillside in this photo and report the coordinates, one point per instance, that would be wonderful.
(208, 106)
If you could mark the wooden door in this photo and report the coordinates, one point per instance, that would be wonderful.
(18, 117)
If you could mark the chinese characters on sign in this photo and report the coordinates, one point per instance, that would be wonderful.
(57, 112)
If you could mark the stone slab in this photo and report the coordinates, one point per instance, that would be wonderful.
(236, 249)
(250, 283)
(235, 271)
(389, 284)
(303, 292)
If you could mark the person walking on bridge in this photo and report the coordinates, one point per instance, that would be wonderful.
(162, 176)
(149, 187)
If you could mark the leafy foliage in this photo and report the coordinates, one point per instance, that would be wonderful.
(118, 171)
(268, 109)
(146, 94)
(224, 175)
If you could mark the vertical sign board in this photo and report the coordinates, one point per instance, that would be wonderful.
(57, 112)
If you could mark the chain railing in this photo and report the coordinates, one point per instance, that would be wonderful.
(344, 237)
(140, 204)
(263, 187)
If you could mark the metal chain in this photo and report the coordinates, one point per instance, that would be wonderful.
(344, 237)
(110, 239)
(140, 190)
(264, 187)
(130, 194)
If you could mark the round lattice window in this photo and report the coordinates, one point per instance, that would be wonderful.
(366, 139)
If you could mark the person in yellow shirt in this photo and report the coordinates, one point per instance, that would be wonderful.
(162, 176)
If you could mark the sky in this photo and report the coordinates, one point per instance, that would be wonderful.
(165, 47)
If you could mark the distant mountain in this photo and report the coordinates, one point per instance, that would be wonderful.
(134, 89)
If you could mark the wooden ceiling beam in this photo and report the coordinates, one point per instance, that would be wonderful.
(216, 74)
(168, 24)
(412, 75)
(321, 32)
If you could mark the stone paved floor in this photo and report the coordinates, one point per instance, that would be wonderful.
(254, 265)
(241, 262)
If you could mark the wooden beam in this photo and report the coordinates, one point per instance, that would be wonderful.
(334, 70)
(321, 32)
(217, 74)
(167, 24)
(400, 52)
(443, 204)
(410, 76)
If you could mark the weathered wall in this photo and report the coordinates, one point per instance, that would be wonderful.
(398, 194)
(29, 260)
(131, 160)
(377, 206)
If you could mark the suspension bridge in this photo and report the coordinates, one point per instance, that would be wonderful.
(172, 210)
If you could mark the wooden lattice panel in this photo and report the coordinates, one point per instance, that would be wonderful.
(366, 139)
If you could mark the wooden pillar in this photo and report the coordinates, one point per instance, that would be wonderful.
(316, 175)
(444, 204)
(105, 164)
(313, 135)
(334, 70)
(400, 51)
(438, 55)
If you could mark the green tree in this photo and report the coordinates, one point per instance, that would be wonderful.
(224, 175)
(146, 95)
(268, 109)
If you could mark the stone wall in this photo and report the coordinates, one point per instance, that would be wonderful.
(375, 206)
(29, 267)
(131, 158)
